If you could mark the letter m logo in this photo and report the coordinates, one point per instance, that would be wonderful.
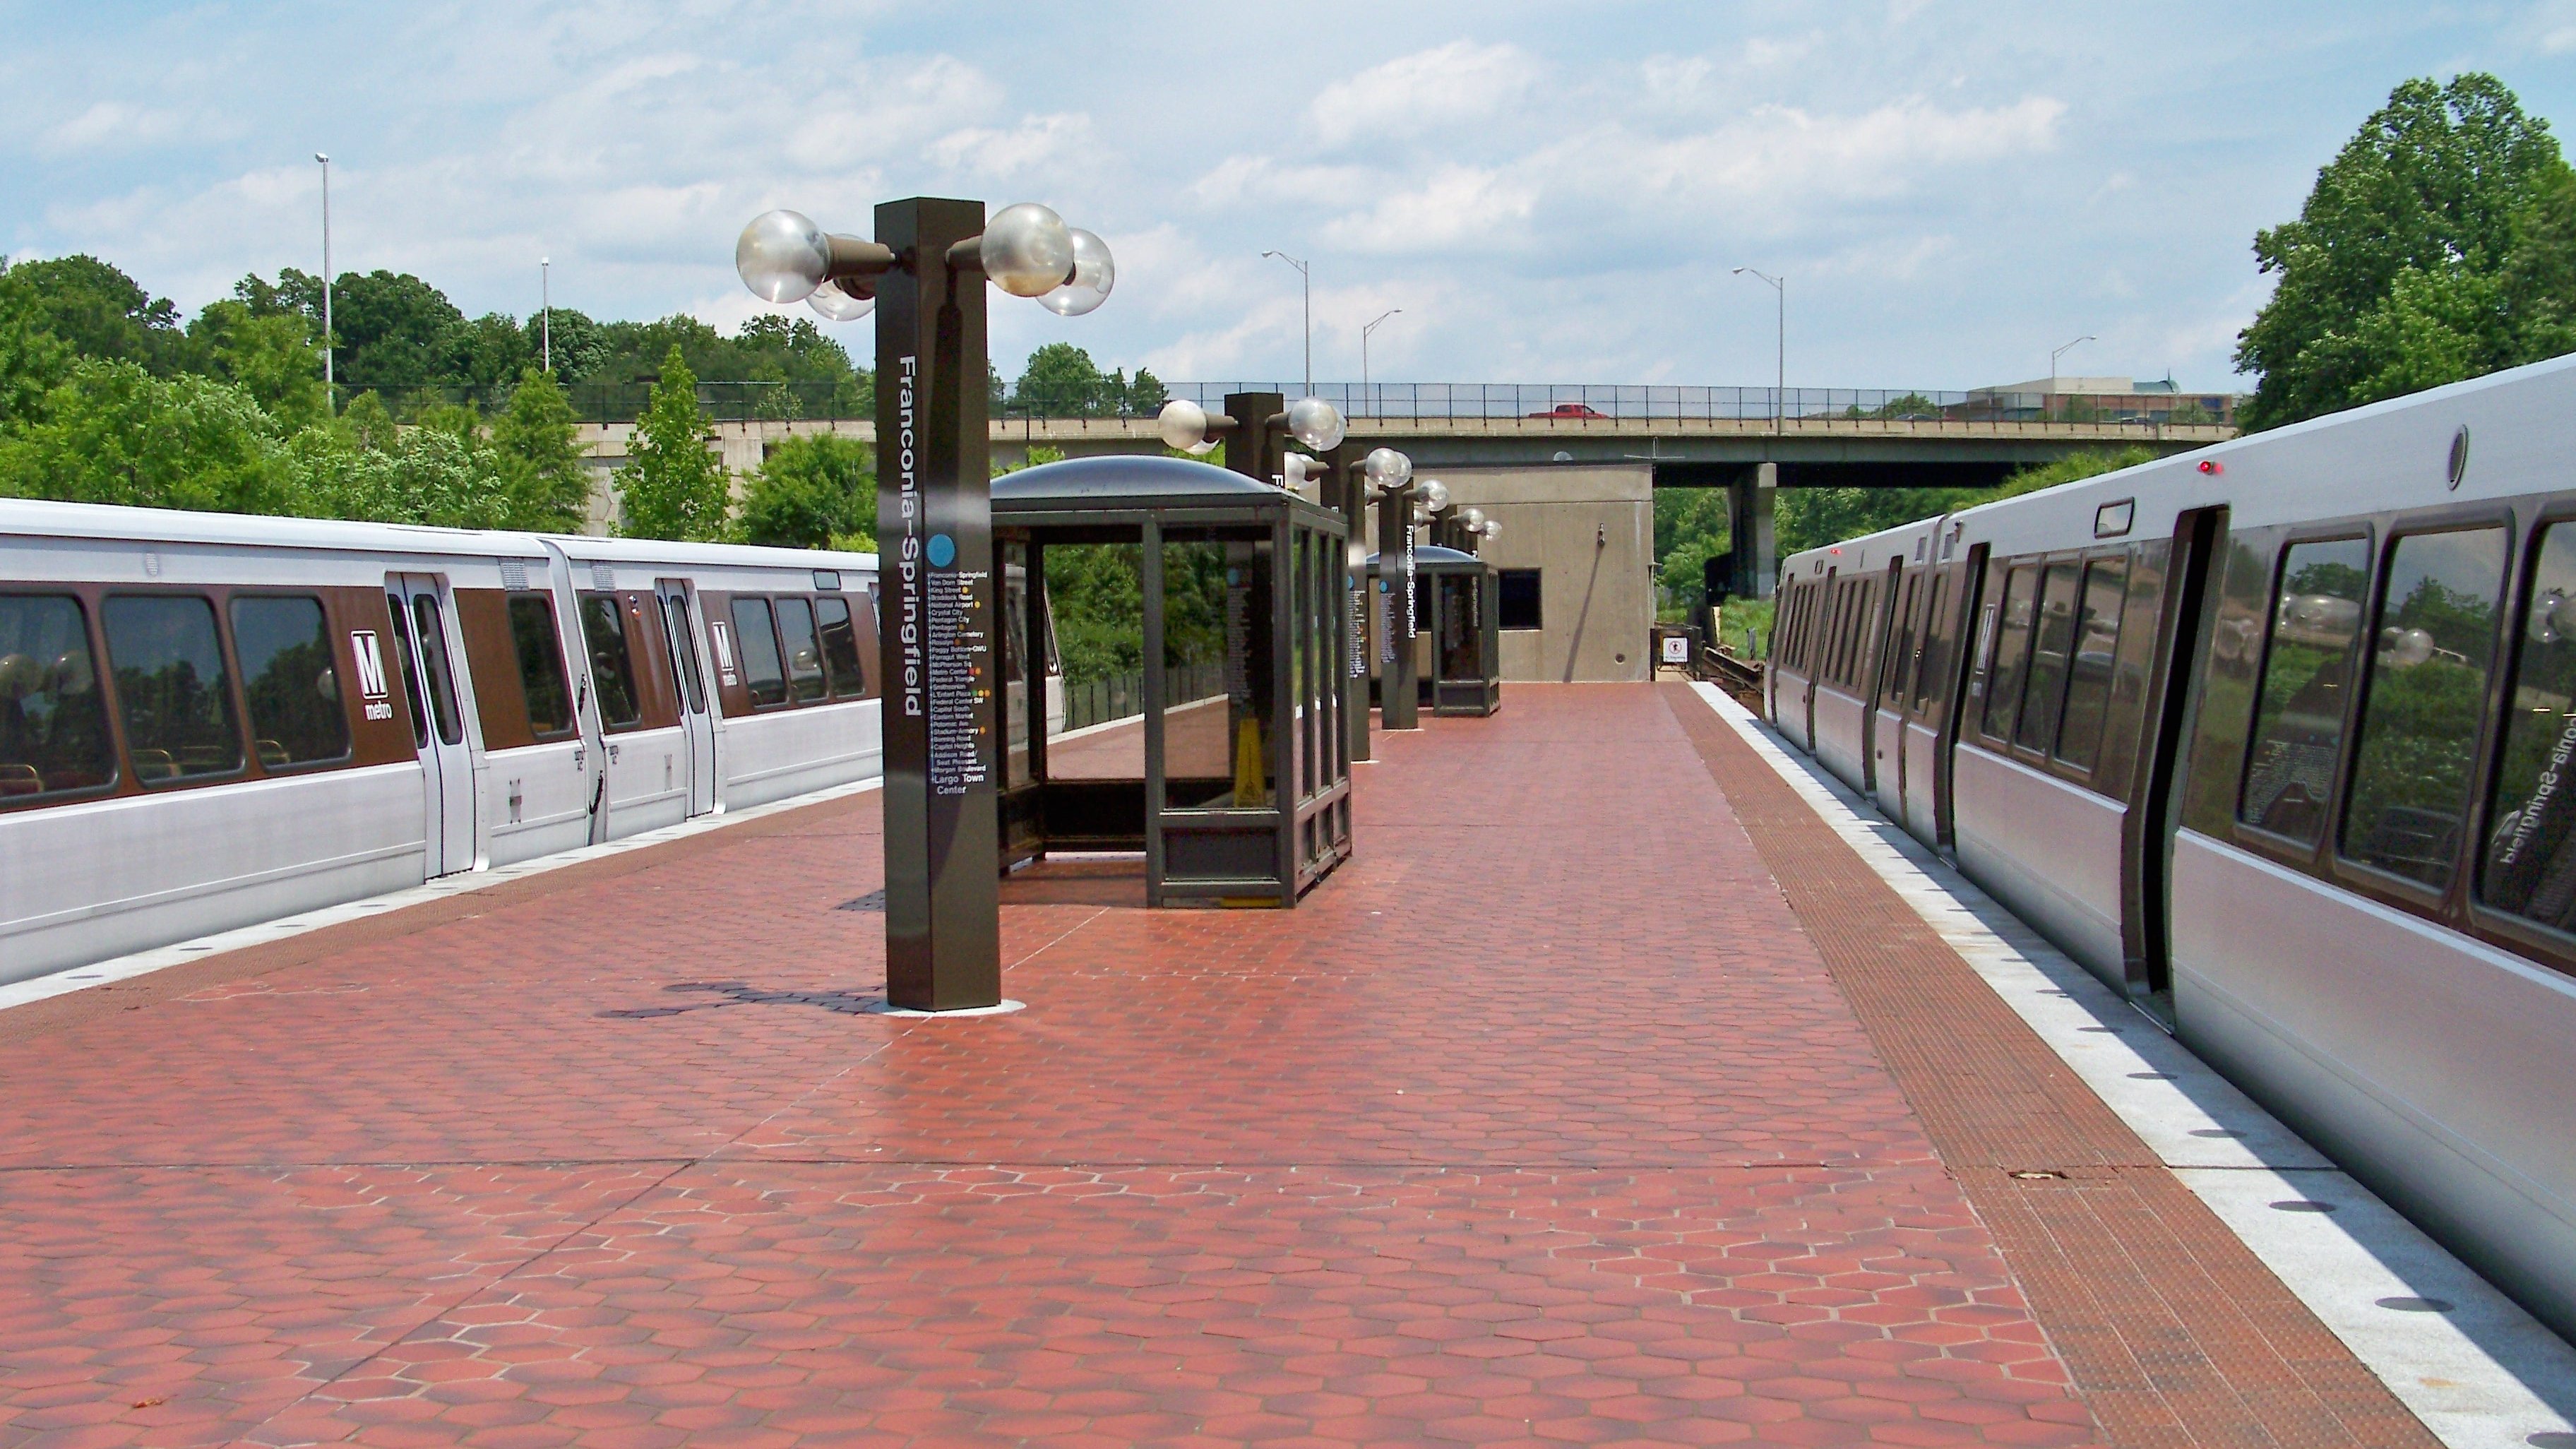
(371, 663)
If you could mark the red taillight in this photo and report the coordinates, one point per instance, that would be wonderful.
(2212, 466)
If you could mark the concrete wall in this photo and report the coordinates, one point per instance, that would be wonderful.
(1589, 528)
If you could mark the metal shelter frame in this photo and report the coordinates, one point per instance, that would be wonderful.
(1465, 629)
(1279, 818)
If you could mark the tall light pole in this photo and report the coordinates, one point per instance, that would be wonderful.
(1364, 342)
(1310, 314)
(2061, 352)
(1780, 384)
(546, 310)
(330, 388)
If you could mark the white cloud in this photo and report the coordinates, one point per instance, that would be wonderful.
(1453, 204)
(1458, 82)
(112, 124)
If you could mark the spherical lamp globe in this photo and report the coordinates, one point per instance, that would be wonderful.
(1316, 423)
(837, 305)
(1182, 424)
(782, 256)
(1093, 275)
(1027, 250)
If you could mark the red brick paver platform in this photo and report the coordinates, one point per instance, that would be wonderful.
(1542, 1121)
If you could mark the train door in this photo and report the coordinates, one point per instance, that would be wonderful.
(1971, 633)
(1881, 663)
(1828, 594)
(2146, 840)
(1887, 715)
(679, 627)
(425, 651)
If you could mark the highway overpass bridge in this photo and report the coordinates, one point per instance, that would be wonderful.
(1805, 452)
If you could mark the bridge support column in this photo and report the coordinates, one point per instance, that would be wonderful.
(1756, 551)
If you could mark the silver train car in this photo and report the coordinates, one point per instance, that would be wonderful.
(2279, 739)
(209, 720)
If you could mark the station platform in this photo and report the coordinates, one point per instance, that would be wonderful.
(1607, 1095)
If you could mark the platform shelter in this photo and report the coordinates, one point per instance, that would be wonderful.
(1457, 613)
(1234, 781)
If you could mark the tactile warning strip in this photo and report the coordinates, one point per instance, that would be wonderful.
(2175, 1333)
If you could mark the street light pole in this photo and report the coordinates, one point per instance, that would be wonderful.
(1780, 382)
(2061, 352)
(546, 309)
(1364, 344)
(330, 388)
(1309, 278)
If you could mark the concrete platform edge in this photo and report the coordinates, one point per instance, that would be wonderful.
(2485, 1375)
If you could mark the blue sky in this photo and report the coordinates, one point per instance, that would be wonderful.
(1549, 192)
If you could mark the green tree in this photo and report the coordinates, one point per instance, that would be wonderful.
(114, 433)
(540, 457)
(275, 357)
(1692, 526)
(812, 492)
(33, 361)
(2540, 280)
(1061, 381)
(2390, 276)
(394, 331)
(98, 311)
(674, 488)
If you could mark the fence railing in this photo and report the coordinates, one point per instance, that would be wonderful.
(1545, 404)
(1122, 696)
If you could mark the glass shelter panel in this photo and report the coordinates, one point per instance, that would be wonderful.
(1219, 681)
(1095, 592)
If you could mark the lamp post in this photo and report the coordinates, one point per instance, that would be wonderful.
(1780, 356)
(1389, 476)
(1364, 344)
(937, 619)
(330, 389)
(2056, 353)
(546, 310)
(1309, 279)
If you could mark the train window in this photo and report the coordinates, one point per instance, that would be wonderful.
(172, 686)
(2530, 851)
(2052, 645)
(2003, 676)
(2426, 690)
(612, 668)
(841, 646)
(2298, 711)
(1900, 653)
(761, 672)
(289, 680)
(442, 675)
(1940, 627)
(804, 655)
(53, 732)
(541, 664)
(2097, 648)
(395, 610)
(673, 609)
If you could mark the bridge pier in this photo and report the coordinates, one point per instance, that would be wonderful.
(1755, 546)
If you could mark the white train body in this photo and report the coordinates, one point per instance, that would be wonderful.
(210, 720)
(2272, 738)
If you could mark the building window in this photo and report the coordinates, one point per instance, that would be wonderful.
(1520, 599)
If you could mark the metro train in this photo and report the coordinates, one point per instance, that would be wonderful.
(209, 720)
(2275, 738)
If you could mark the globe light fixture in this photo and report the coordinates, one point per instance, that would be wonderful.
(1093, 275)
(1493, 528)
(1182, 424)
(1316, 423)
(1386, 469)
(1435, 496)
(782, 256)
(1474, 518)
(1027, 250)
(837, 303)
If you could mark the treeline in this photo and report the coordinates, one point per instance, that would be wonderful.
(109, 395)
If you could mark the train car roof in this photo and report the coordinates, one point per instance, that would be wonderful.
(1870, 550)
(41, 518)
(586, 547)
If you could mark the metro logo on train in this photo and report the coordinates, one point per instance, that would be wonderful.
(371, 674)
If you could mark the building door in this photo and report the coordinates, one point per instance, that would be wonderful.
(679, 626)
(425, 651)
